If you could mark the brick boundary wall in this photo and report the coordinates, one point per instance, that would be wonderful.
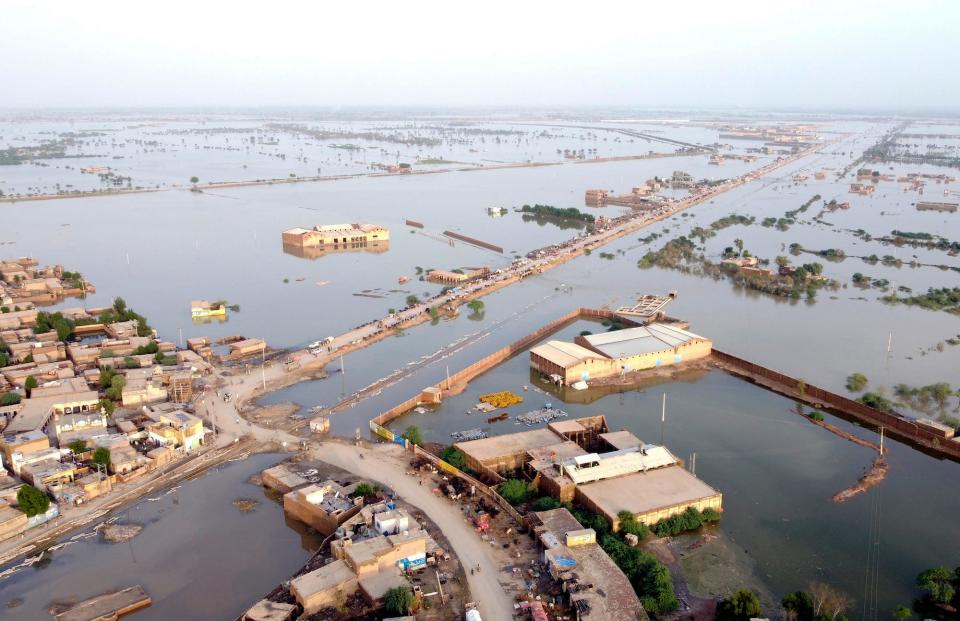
(819, 397)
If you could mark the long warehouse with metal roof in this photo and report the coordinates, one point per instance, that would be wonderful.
(595, 356)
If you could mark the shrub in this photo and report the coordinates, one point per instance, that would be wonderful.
(546, 503)
(78, 446)
(365, 490)
(691, 519)
(514, 491)
(399, 601)
(649, 578)
(414, 435)
(9, 398)
(856, 382)
(800, 604)
(629, 524)
(454, 456)
(741, 606)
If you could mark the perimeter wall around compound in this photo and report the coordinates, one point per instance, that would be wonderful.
(796, 388)
(770, 379)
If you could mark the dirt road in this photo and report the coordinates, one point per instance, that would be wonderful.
(387, 463)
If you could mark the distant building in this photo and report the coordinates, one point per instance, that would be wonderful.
(200, 309)
(335, 236)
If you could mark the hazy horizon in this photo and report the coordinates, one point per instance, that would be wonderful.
(748, 56)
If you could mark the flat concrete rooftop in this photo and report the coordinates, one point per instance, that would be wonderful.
(643, 492)
(612, 597)
(509, 444)
(621, 439)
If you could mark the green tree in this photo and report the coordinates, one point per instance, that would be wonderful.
(78, 446)
(413, 434)
(9, 398)
(741, 606)
(856, 382)
(902, 613)
(800, 604)
(107, 406)
(101, 456)
(29, 384)
(194, 180)
(546, 503)
(115, 392)
(454, 456)
(32, 501)
(514, 491)
(475, 305)
(399, 601)
(412, 300)
(938, 583)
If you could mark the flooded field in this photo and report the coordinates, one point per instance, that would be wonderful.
(777, 472)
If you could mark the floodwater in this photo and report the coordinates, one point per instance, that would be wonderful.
(777, 472)
(161, 250)
(197, 557)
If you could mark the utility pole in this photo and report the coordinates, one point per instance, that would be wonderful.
(663, 417)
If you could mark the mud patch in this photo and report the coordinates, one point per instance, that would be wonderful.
(118, 533)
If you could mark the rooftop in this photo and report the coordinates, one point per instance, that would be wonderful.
(325, 578)
(646, 306)
(642, 340)
(621, 439)
(562, 353)
(265, 610)
(594, 467)
(611, 598)
(36, 412)
(509, 444)
(567, 426)
(643, 492)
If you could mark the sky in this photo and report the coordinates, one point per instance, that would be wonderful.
(842, 54)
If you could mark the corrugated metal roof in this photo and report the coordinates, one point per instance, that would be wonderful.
(642, 340)
(562, 353)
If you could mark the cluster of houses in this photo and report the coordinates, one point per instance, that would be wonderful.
(374, 546)
(23, 282)
(102, 387)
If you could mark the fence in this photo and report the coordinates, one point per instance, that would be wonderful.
(481, 487)
(463, 376)
(816, 396)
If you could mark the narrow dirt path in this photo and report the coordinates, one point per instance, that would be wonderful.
(387, 463)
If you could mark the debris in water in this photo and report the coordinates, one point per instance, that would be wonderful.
(246, 505)
(118, 533)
